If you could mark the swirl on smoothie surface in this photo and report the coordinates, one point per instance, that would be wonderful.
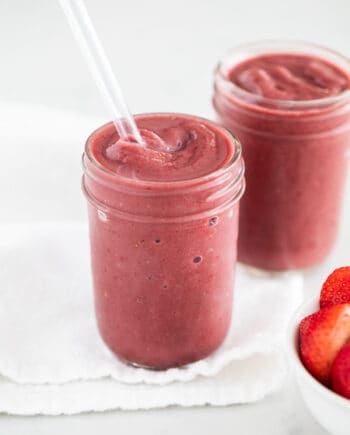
(175, 149)
(289, 77)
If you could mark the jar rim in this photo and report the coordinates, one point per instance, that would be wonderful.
(168, 184)
(247, 50)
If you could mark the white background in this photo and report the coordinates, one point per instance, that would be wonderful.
(164, 53)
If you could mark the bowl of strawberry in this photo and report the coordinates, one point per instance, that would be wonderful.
(319, 351)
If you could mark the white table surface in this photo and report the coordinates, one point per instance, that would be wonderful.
(164, 53)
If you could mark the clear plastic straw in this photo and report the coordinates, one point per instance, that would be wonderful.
(100, 68)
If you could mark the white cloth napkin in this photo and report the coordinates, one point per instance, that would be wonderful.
(52, 360)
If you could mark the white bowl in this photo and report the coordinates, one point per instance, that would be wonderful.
(329, 409)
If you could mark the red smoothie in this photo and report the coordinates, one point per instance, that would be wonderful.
(163, 229)
(290, 107)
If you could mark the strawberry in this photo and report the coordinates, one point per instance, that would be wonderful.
(341, 372)
(321, 335)
(336, 289)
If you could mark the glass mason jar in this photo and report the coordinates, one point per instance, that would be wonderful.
(296, 160)
(163, 257)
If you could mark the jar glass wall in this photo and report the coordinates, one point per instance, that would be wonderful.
(296, 161)
(163, 257)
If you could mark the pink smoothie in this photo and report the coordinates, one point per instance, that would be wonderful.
(163, 226)
(291, 112)
(289, 77)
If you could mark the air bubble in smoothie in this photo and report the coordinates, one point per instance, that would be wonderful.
(213, 221)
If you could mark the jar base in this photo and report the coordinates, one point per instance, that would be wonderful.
(141, 366)
(174, 365)
(262, 273)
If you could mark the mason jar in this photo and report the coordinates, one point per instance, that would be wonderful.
(163, 254)
(296, 155)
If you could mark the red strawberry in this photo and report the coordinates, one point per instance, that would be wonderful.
(341, 372)
(321, 335)
(336, 289)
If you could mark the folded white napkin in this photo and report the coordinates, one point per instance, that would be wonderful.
(52, 360)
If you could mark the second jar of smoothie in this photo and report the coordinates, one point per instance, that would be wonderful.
(289, 104)
(163, 229)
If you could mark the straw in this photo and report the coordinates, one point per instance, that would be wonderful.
(100, 68)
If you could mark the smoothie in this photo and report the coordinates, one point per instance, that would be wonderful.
(289, 106)
(163, 229)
